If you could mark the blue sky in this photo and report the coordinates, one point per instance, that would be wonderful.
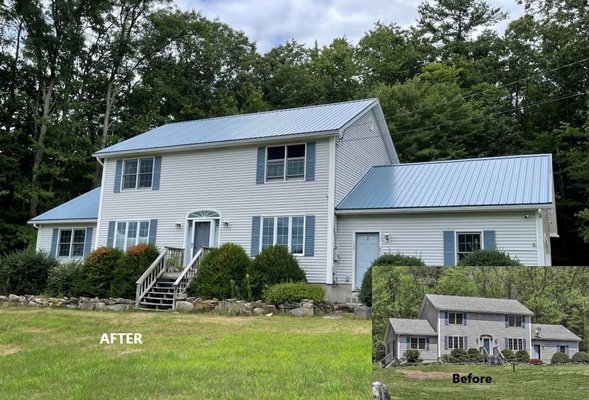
(272, 22)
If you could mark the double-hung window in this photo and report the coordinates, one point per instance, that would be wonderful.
(515, 344)
(417, 343)
(562, 349)
(288, 231)
(467, 243)
(138, 173)
(515, 320)
(455, 342)
(285, 162)
(131, 233)
(455, 318)
(71, 243)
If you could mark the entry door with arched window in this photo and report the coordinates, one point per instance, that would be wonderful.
(203, 230)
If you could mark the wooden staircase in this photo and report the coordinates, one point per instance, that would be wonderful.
(161, 285)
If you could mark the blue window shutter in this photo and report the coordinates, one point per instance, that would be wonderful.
(408, 342)
(489, 240)
(506, 343)
(567, 349)
(446, 318)
(110, 238)
(310, 167)
(310, 236)
(525, 345)
(464, 319)
(446, 342)
(255, 245)
(523, 321)
(88, 241)
(507, 321)
(427, 344)
(261, 165)
(466, 342)
(449, 248)
(118, 172)
(152, 231)
(53, 249)
(157, 171)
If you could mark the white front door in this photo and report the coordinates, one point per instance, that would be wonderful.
(367, 250)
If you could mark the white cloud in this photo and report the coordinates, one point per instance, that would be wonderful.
(272, 22)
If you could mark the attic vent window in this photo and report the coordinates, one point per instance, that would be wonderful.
(285, 162)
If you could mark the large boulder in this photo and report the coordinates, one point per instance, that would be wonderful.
(303, 312)
(380, 391)
(184, 306)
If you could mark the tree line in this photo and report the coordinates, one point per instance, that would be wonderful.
(79, 75)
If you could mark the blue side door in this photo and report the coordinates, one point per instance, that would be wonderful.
(367, 249)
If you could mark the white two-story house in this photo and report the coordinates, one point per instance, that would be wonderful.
(325, 181)
(485, 324)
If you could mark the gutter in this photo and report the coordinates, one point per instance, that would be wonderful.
(410, 210)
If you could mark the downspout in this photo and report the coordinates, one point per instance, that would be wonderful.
(329, 273)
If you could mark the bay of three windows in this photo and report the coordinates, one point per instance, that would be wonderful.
(288, 231)
(131, 233)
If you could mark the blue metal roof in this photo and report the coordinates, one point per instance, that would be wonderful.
(270, 124)
(83, 207)
(496, 181)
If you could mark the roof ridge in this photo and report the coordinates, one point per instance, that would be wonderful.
(269, 111)
(465, 160)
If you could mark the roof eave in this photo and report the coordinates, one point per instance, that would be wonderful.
(409, 210)
(62, 221)
(221, 144)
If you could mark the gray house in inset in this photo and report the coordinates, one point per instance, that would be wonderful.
(324, 181)
(488, 325)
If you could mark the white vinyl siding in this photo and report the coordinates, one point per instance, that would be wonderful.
(549, 347)
(45, 236)
(224, 180)
(421, 235)
(358, 150)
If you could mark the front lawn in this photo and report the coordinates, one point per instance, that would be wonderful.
(528, 382)
(55, 354)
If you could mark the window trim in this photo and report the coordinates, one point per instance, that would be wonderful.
(70, 256)
(455, 314)
(562, 347)
(138, 159)
(460, 340)
(417, 338)
(284, 177)
(456, 233)
(275, 231)
(126, 235)
(515, 317)
(515, 344)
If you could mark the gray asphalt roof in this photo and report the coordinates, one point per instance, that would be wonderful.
(553, 332)
(477, 304)
(404, 326)
(269, 124)
(495, 181)
(83, 207)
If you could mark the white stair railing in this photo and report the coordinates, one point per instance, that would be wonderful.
(155, 270)
(183, 281)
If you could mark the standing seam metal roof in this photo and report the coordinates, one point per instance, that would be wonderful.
(494, 181)
(269, 124)
(83, 207)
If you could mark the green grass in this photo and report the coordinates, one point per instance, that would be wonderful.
(55, 354)
(528, 382)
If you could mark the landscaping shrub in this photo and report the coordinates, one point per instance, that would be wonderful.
(97, 272)
(365, 295)
(475, 356)
(508, 354)
(522, 356)
(291, 292)
(130, 267)
(459, 355)
(580, 357)
(399, 259)
(62, 278)
(560, 358)
(273, 265)
(447, 358)
(490, 258)
(25, 272)
(412, 356)
(221, 273)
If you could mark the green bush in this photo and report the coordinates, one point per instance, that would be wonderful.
(459, 355)
(130, 268)
(447, 358)
(221, 273)
(398, 259)
(97, 272)
(365, 295)
(62, 278)
(508, 354)
(491, 258)
(581, 357)
(522, 356)
(412, 356)
(291, 292)
(560, 358)
(273, 265)
(25, 272)
(475, 356)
